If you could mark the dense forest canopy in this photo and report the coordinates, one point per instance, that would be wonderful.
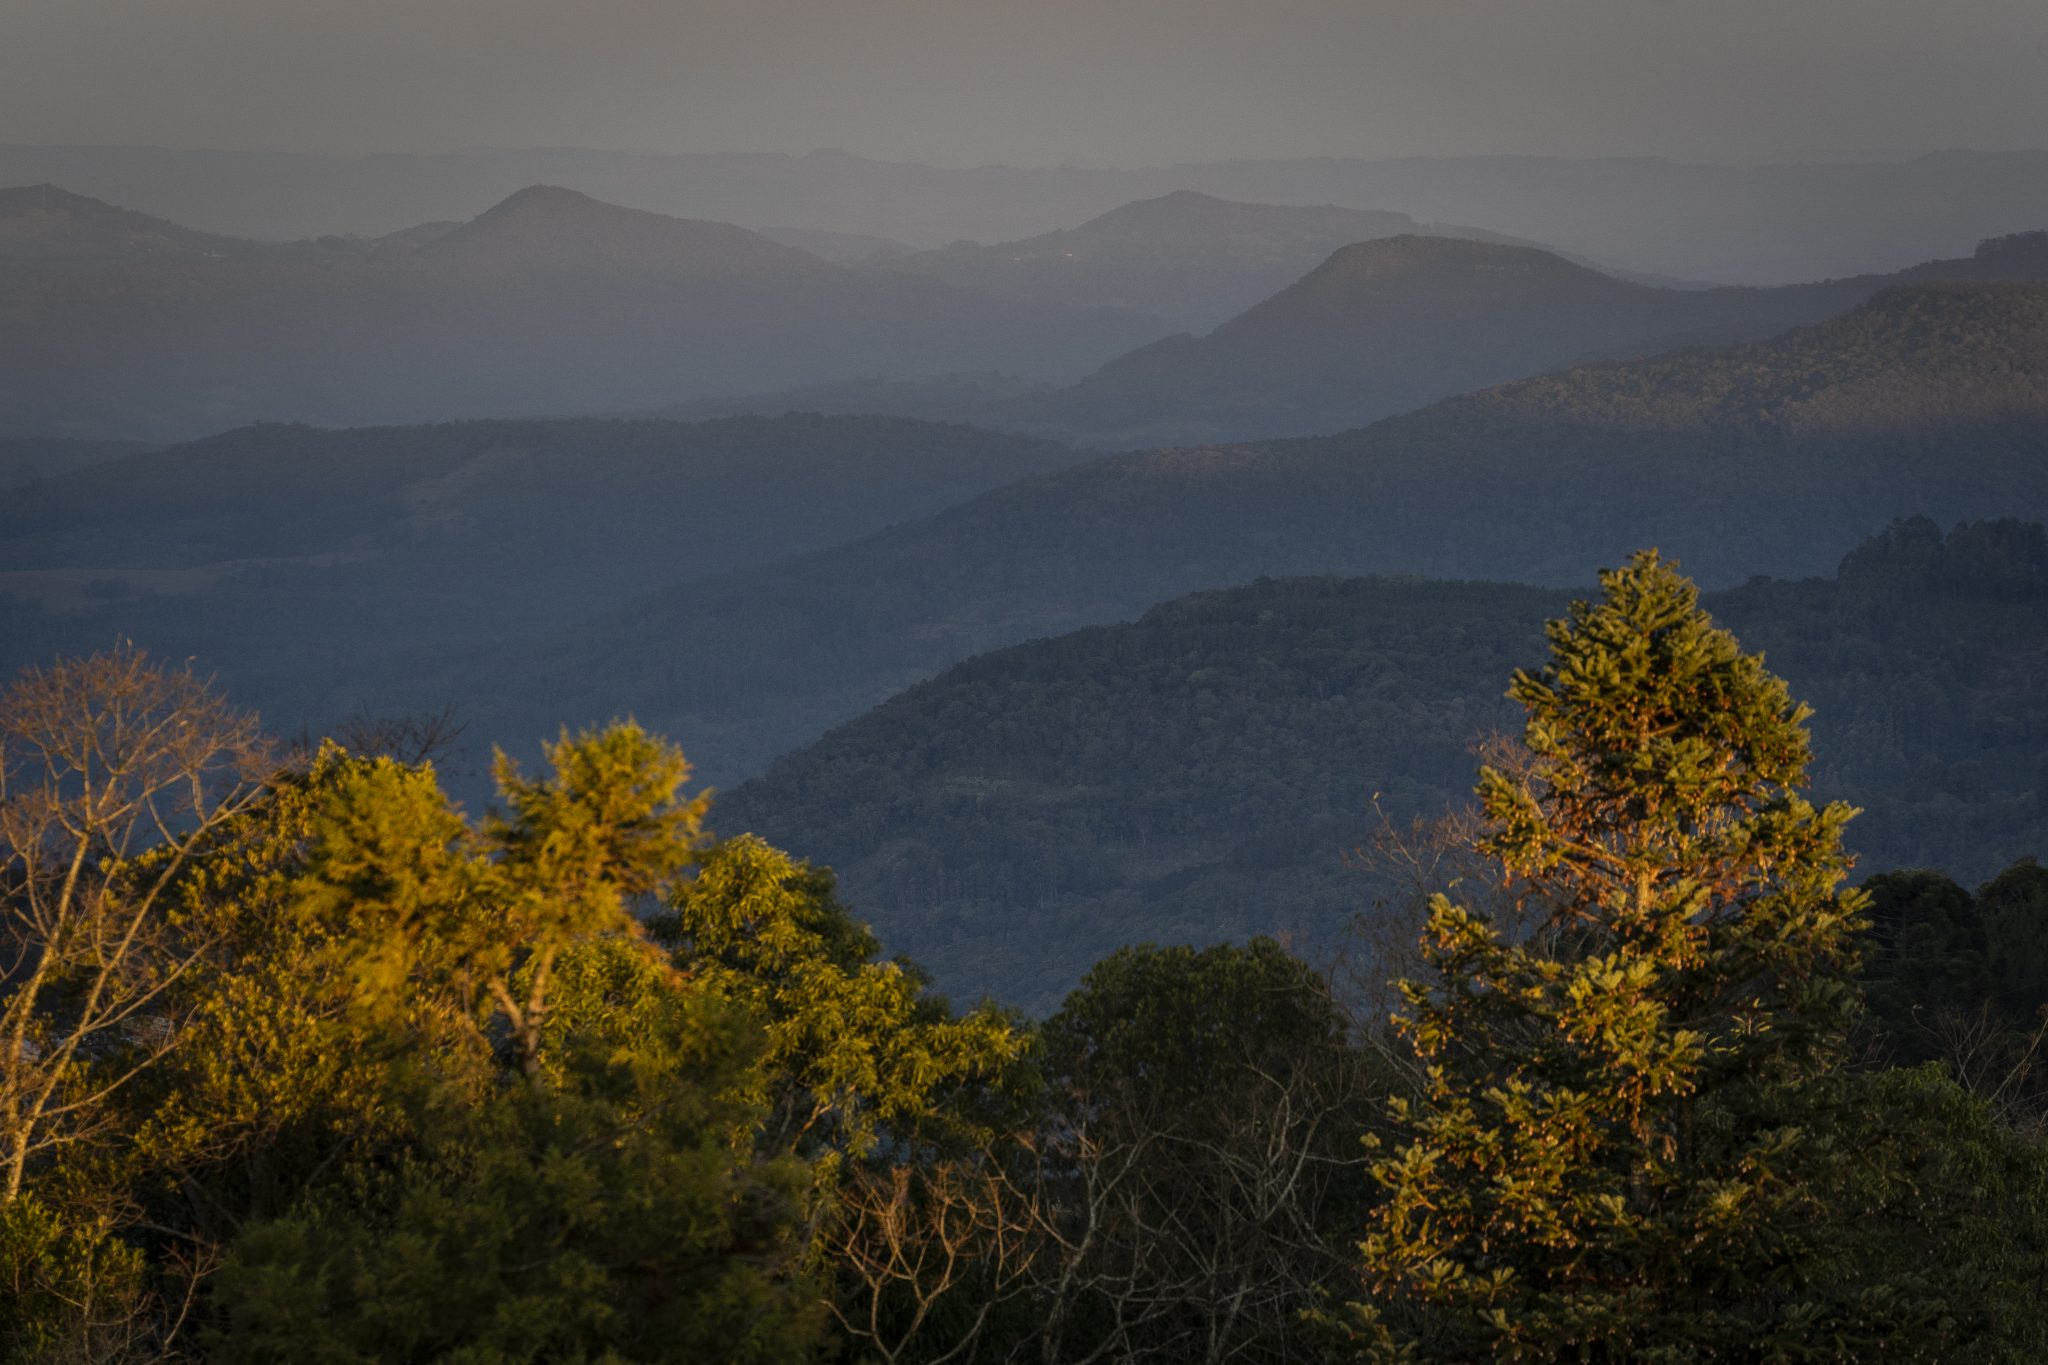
(306, 1062)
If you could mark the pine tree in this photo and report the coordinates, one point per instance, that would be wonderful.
(1620, 1150)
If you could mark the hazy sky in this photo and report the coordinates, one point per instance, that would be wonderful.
(1033, 81)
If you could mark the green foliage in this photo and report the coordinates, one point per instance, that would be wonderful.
(69, 1288)
(1199, 1143)
(600, 1218)
(1622, 1143)
(2014, 906)
(1943, 1191)
(595, 1209)
(856, 1050)
(1962, 980)
(1177, 1025)
(1925, 957)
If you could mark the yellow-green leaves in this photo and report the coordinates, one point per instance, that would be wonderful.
(854, 1046)
(1604, 1156)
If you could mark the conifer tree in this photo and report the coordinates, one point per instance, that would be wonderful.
(1619, 1150)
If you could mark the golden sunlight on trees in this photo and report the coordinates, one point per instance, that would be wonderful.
(1620, 1143)
(305, 1062)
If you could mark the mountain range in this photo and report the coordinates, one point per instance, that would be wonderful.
(1191, 260)
(548, 303)
(729, 585)
(1764, 224)
(1384, 326)
(1772, 457)
(554, 303)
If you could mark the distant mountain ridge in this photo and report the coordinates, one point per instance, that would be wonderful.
(47, 226)
(1727, 224)
(549, 303)
(1190, 259)
(547, 226)
(1385, 326)
(1381, 327)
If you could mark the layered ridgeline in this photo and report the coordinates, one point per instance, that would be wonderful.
(565, 602)
(1748, 224)
(1376, 327)
(325, 571)
(1775, 458)
(1207, 771)
(1385, 326)
(550, 302)
(1191, 260)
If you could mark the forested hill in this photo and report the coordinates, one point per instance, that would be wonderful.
(1382, 327)
(1204, 771)
(1776, 458)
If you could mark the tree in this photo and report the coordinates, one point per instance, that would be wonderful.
(2014, 907)
(541, 1163)
(116, 773)
(1963, 980)
(482, 913)
(1947, 1191)
(597, 1214)
(860, 1056)
(1196, 1161)
(1620, 1150)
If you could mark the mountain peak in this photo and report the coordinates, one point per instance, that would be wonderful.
(1412, 251)
(550, 199)
(548, 224)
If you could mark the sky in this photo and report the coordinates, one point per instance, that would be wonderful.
(1034, 82)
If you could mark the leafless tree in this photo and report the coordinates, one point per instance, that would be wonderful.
(1996, 1063)
(116, 774)
(911, 1239)
(411, 738)
(1185, 1233)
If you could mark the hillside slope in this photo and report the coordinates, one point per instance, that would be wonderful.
(45, 226)
(1207, 771)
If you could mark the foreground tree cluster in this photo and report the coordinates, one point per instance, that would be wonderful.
(298, 1060)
